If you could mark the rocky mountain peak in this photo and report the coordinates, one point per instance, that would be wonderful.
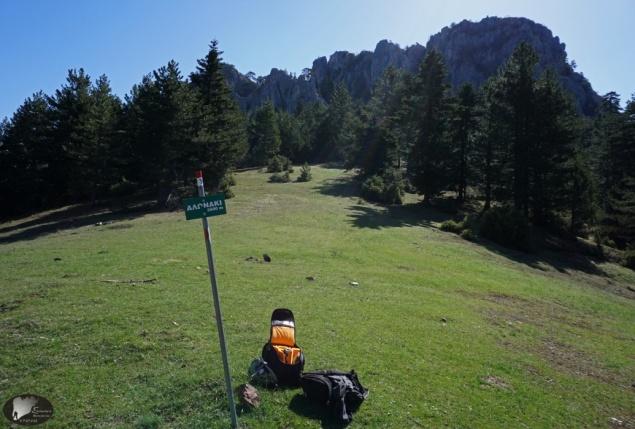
(473, 51)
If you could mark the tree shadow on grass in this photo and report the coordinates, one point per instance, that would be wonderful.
(377, 217)
(551, 252)
(73, 217)
(303, 406)
(339, 187)
(562, 261)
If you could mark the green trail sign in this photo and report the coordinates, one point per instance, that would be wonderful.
(200, 207)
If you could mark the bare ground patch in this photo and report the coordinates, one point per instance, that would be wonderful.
(495, 382)
(566, 358)
(513, 314)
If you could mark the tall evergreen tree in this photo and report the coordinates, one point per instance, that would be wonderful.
(381, 140)
(162, 123)
(264, 135)
(518, 78)
(552, 150)
(609, 136)
(619, 222)
(103, 162)
(221, 139)
(491, 141)
(73, 134)
(582, 195)
(339, 127)
(292, 141)
(26, 155)
(463, 121)
(428, 161)
(310, 117)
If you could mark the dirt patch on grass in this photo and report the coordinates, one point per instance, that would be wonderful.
(566, 358)
(515, 314)
(501, 298)
(512, 309)
(495, 382)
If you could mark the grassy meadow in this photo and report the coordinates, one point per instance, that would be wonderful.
(442, 331)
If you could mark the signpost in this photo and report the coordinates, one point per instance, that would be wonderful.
(202, 207)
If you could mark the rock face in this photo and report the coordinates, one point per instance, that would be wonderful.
(473, 51)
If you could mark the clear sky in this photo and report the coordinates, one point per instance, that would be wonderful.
(125, 39)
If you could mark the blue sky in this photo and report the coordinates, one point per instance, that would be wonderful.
(125, 39)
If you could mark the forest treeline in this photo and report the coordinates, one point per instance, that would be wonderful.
(517, 142)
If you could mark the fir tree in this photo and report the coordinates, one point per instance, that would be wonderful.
(551, 151)
(221, 139)
(619, 222)
(428, 161)
(582, 195)
(380, 140)
(338, 129)
(162, 123)
(73, 134)
(464, 123)
(292, 141)
(264, 135)
(105, 117)
(26, 157)
(309, 119)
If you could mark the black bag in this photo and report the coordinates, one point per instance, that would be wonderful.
(281, 352)
(341, 392)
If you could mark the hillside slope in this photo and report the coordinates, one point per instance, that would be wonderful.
(444, 332)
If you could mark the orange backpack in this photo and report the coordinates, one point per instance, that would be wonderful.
(281, 352)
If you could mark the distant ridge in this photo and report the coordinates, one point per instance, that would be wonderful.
(473, 51)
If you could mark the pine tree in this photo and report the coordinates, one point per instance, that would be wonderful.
(619, 222)
(582, 195)
(221, 139)
(380, 141)
(73, 133)
(310, 117)
(161, 124)
(264, 135)
(292, 141)
(551, 152)
(491, 144)
(106, 114)
(463, 121)
(518, 78)
(26, 158)
(338, 129)
(428, 161)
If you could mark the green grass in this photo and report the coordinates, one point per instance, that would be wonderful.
(527, 341)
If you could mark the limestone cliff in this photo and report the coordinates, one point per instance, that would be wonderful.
(473, 51)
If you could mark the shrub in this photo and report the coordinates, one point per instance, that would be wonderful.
(387, 188)
(506, 226)
(279, 163)
(393, 187)
(230, 179)
(452, 226)
(629, 259)
(468, 234)
(122, 188)
(373, 188)
(225, 185)
(280, 177)
(305, 173)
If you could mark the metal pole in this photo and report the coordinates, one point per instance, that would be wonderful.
(219, 318)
